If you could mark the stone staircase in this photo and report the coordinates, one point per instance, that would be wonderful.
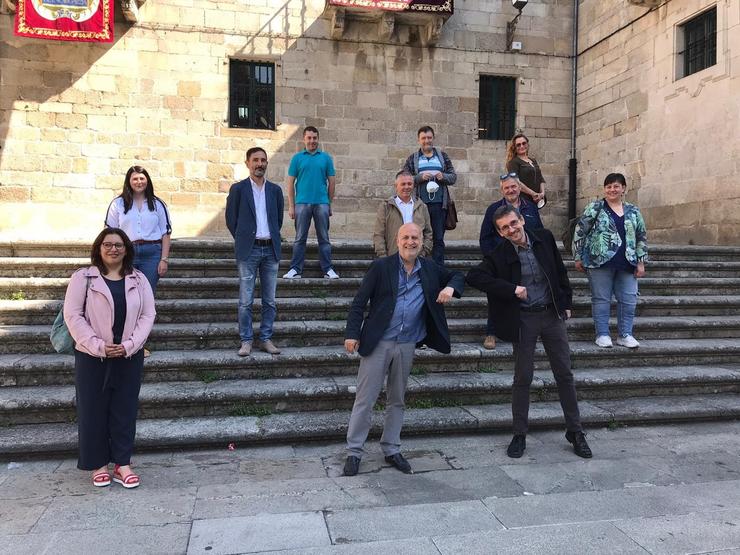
(198, 392)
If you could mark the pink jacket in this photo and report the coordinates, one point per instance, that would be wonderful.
(93, 330)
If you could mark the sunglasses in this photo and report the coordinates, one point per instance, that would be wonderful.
(521, 144)
(507, 175)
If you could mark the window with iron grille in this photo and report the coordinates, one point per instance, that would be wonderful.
(698, 40)
(496, 107)
(251, 94)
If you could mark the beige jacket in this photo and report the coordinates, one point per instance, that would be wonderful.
(388, 221)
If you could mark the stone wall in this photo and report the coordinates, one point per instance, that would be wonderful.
(76, 116)
(676, 140)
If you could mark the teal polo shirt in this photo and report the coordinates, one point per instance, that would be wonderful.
(311, 172)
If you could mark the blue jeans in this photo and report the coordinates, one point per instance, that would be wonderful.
(623, 285)
(262, 260)
(303, 215)
(438, 215)
(146, 260)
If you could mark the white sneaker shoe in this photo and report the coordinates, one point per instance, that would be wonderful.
(628, 341)
(604, 341)
(292, 274)
(331, 274)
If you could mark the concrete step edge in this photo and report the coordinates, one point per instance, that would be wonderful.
(156, 434)
(265, 391)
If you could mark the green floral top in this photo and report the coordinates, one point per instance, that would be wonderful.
(595, 243)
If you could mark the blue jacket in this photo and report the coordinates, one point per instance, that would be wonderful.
(380, 287)
(489, 237)
(242, 221)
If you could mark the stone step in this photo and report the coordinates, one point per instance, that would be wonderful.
(47, 404)
(40, 312)
(222, 335)
(211, 365)
(220, 431)
(221, 247)
(200, 288)
(226, 267)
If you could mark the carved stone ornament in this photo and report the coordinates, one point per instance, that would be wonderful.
(646, 3)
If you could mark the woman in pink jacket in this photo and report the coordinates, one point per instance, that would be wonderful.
(109, 310)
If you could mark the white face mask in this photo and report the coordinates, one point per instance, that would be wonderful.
(432, 187)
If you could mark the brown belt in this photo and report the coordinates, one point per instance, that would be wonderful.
(145, 242)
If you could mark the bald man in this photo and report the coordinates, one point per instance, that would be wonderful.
(406, 295)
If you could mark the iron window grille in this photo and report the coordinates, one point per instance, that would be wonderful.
(699, 42)
(251, 95)
(496, 107)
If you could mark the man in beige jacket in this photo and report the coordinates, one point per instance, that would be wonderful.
(401, 209)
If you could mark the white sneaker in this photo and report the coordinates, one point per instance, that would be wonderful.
(331, 274)
(292, 274)
(604, 341)
(628, 341)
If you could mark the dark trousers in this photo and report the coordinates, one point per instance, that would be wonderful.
(551, 329)
(491, 322)
(107, 402)
(438, 216)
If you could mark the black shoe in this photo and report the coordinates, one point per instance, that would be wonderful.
(517, 446)
(352, 466)
(580, 447)
(399, 462)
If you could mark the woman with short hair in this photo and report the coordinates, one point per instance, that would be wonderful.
(610, 245)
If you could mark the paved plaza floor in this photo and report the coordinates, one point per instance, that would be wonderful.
(656, 489)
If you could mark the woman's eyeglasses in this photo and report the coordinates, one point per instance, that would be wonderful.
(110, 246)
(520, 144)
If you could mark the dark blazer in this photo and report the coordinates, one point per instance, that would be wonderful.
(500, 273)
(489, 236)
(380, 287)
(242, 221)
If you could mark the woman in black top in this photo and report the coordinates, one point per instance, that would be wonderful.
(526, 168)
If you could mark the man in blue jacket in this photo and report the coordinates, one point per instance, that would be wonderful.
(490, 238)
(254, 216)
(406, 295)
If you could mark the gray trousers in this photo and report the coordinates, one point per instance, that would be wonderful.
(393, 359)
(551, 329)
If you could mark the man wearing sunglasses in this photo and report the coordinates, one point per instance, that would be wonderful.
(489, 237)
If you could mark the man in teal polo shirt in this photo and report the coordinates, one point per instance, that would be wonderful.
(310, 187)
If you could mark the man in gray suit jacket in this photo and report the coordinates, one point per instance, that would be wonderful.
(406, 295)
(254, 216)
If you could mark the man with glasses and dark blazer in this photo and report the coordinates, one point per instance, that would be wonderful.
(528, 283)
(406, 295)
(511, 189)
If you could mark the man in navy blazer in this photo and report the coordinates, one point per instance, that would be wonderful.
(406, 295)
(254, 216)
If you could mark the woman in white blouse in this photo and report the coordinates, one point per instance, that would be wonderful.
(146, 221)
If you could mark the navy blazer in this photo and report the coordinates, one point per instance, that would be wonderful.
(501, 271)
(242, 221)
(380, 287)
(489, 236)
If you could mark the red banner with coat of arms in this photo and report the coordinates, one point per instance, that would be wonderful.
(73, 20)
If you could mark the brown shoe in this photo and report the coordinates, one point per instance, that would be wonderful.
(269, 347)
(489, 343)
(246, 349)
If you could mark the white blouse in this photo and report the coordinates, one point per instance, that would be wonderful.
(141, 224)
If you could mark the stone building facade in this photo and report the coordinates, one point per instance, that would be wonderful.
(676, 138)
(75, 116)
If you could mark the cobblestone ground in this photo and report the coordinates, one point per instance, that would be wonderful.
(657, 489)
